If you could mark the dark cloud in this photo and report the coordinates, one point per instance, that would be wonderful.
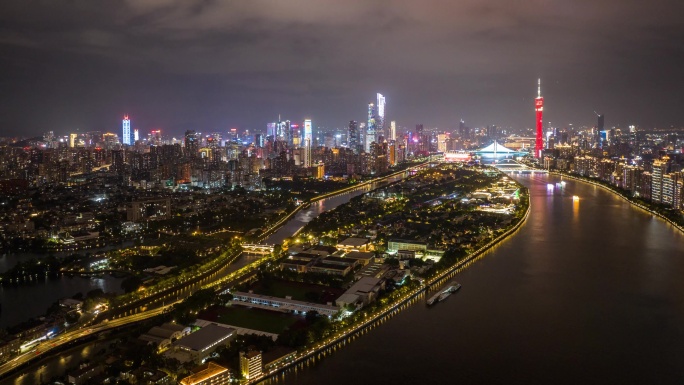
(209, 65)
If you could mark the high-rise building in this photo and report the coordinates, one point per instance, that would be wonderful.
(380, 118)
(72, 140)
(308, 140)
(660, 167)
(353, 136)
(250, 364)
(126, 131)
(136, 135)
(539, 110)
(370, 128)
(192, 144)
(393, 130)
(271, 130)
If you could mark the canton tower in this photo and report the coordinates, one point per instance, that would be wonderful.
(539, 109)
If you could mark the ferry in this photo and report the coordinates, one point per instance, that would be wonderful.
(441, 295)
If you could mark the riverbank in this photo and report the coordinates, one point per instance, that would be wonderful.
(398, 305)
(620, 194)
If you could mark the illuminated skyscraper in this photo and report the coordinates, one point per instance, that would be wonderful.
(126, 134)
(353, 136)
(539, 109)
(370, 128)
(380, 118)
(393, 130)
(136, 135)
(308, 139)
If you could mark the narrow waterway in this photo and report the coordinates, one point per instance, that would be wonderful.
(586, 292)
(306, 215)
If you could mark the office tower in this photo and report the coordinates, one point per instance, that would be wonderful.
(308, 139)
(72, 140)
(370, 128)
(259, 140)
(353, 136)
(136, 135)
(126, 134)
(271, 130)
(191, 144)
(539, 109)
(393, 130)
(380, 118)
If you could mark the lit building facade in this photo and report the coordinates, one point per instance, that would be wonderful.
(308, 138)
(353, 136)
(380, 118)
(251, 365)
(208, 374)
(126, 131)
(370, 128)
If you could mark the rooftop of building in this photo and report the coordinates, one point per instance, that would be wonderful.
(399, 240)
(203, 373)
(298, 262)
(359, 255)
(354, 242)
(339, 260)
(364, 285)
(282, 300)
(205, 337)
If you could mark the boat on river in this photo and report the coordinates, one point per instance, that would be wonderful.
(441, 295)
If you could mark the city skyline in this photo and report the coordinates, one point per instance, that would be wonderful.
(76, 77)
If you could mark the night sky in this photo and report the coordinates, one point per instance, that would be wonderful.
(212, 65)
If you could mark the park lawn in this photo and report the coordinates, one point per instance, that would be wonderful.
(264, 320)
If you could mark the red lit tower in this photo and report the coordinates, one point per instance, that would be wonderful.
(539, 109)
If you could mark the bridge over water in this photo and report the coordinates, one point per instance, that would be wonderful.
(510, 166)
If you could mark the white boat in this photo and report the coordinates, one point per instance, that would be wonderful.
(450, 288)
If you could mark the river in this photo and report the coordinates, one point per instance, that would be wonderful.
(585, 292)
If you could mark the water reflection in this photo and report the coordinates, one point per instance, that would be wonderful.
(594, 285)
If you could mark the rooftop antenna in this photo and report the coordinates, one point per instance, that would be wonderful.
(539, 88)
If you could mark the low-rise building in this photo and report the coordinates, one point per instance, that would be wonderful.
(354, 244)
(394, 245)
(362, 292)
(163, 336)
(332, 266)
(71, 304)
(84, 373)
(363, 258)
(203, 342)
(286, 305)
(208, 374)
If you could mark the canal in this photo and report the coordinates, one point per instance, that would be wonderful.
(585, 292)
